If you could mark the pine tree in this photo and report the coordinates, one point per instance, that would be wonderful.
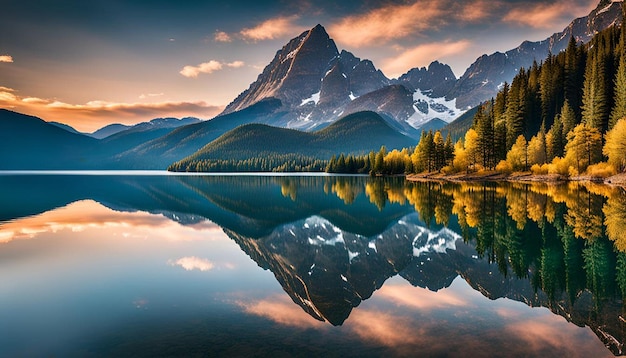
(448, 150)
(516, 108)
(483, 125)
(568, 118)
(555, 139)
(574, 75)
(619, 109)
(596, 103)
(438, 151)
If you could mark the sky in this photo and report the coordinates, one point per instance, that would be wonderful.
(92, 63)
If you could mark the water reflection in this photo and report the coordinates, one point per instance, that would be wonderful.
(335, 243)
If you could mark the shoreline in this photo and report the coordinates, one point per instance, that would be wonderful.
(519, 177)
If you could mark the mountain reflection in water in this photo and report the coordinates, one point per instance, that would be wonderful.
(333, 242)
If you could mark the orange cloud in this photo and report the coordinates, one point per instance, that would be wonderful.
(546, 16)
(205, 67)
(422, 299)
(191, 263)
(272, 29)
(6, 58)
(388, 23)
(282, 310)
(392, 22)
(537, 333)
(95, 114)
(221, 36)
(422, 55)
(475, 11)
(81, 215)
(208, 67)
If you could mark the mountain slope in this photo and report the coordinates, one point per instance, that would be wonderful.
(358, 133)
(109, 130)
(184, 141)
(28, 142)
(483, 78)
(66, 127)
(317, 85)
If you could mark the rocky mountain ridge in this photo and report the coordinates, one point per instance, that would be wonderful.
(484, 78)
(317, 84)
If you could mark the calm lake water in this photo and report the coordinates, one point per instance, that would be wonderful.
(124, 265)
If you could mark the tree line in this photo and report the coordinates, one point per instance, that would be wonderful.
(566, 115)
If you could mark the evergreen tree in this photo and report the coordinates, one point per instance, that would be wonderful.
(568, 118)
(574, 75)
(379, 162)
(619, 109)
(555, 139)
(516, 108)
(483, 125)
(595, 90)
(448, 150)
(438, 151)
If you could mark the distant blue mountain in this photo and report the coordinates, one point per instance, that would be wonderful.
(66, 127)
(157, 123)
(28, 142)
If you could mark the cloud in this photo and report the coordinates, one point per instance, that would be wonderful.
(393, 22)
(422, 55)
(6, 58)
(205, 67)
(191, 263)
(208, 67)
(272, 29)
(281, 310)
(144, 96)
(221, 36)
(475, 11)
(95, 114)
(404, 295)
(236, 64)
(84, 214)
(546, 15)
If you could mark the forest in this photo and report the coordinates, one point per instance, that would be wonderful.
(565, 116)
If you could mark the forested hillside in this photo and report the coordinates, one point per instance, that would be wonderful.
(259, 147)
(564, 116)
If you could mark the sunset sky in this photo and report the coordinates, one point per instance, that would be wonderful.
(91, 63)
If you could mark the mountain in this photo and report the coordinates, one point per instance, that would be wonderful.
(109, 130)
(28, 142)
(317, 84)
(181, 142)
(328, 271)
(461, 125)
(434, 125)
(437, 80)
(358, 133)
(157, 123)
(482, 80)
(66, 127)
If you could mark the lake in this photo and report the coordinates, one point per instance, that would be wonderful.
(168, 265)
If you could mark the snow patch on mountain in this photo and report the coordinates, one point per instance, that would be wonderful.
(427, 108)
(315, 98)
(439, 242)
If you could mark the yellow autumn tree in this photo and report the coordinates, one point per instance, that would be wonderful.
(615, 147)
(583, 148)
(517, 157)
(459, 163)
(472, 149)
